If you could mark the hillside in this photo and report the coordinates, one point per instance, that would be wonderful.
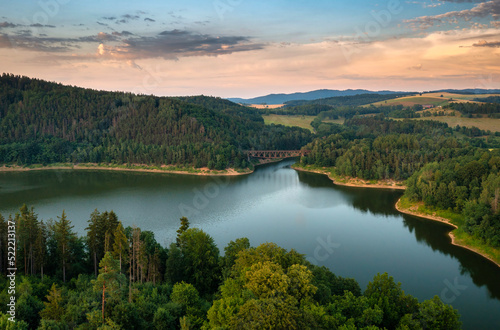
(478, 91)
(308, 96)
(43, 122)
(436, 99)
(273, 99)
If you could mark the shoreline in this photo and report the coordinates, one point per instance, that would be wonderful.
(354, 182)
(164, 169)
(454, 240)
(450, 234)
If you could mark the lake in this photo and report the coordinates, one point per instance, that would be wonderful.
(356, 232)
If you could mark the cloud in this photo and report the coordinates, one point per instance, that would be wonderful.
(127, 18)
(126, 46)
(416, 67)
(109, 18)
(463, 1)
(134, 65)
(7, 25)
(25, 40)
(123, 33)
(26, 33)
(100, 37)
(103, 36)
(12, 25)
(484, 43)
(132, 17)
(481, 10)
(38, 25)
(432, 5)
(481, 35)
(147, 19)
(178, 43)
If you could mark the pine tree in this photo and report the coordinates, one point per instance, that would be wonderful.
(64, 235)
(22, 233)
(184, 226)
(93, 236)
(109, 281)
(33, 232)
(120, 244)
(136, 245)
(53, 310)
(41, 247)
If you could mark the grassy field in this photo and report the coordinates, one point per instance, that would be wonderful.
(270, 106)
(412, 100)
(336, 121)
(466, 97)
(487, 124)
(300, 121)
(432, 98)
(481, 123)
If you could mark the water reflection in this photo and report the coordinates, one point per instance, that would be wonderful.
(276, 203)
(372, 201)
(482, 271)
(433, 234)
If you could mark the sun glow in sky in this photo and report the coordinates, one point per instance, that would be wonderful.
(246, 48)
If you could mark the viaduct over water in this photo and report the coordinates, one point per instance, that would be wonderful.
(275, 154)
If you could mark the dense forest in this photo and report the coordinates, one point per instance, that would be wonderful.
(341, 106)
(122, 278)
(350, 106)
(489, 99)
(345, 111)
(377, 148)
(467, 185)
(355, 100)
(468, 109)
(43, 122)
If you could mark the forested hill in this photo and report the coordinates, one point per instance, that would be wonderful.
(43, 122)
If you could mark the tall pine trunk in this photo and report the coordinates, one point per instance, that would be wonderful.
(64, 263)
(95, 263)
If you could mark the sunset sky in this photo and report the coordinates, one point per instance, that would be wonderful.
(247, 48)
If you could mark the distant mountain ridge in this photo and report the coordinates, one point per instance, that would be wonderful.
(307, 96)
(469, 91)
(328, 93)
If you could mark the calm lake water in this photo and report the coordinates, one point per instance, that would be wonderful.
(355, 232)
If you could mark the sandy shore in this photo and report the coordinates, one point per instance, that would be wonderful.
(389, 184)
(165, 169)
(448, 222)
(392, 185)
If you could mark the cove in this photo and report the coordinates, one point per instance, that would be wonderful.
(355, 232)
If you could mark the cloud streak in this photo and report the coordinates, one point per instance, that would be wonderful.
(7, 25)
(178, 43)
(127, 46)
(481, 10)
(484, 43)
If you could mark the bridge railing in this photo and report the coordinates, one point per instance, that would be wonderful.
(276, 154)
